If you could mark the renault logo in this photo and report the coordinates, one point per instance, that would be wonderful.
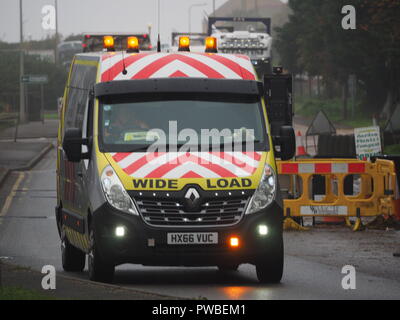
(192, 196)
(192, 202)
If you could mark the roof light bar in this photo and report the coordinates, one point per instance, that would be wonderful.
(108, 43)
(184, 44)
(132, 44)
(211, 45)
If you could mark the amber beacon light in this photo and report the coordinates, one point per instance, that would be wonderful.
(108, 43)
(132, 44)
(184, 44)
(211, 45)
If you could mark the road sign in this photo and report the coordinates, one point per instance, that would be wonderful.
(35, 78)
(321, 125)
(368, 142)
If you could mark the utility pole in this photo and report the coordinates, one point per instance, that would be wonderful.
(190, 13)
(214, 8)
(56, 37)
(22, 114)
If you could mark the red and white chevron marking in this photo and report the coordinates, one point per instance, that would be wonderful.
(169, 65)
(175, 165)
(322, 168)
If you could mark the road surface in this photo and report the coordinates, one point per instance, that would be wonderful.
(28, 237)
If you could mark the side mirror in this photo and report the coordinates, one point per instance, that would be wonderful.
(72, 145)
(287, 143)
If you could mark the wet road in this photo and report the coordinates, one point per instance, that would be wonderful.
(28, 236)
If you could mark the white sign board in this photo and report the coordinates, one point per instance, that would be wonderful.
(323, 210)
(368, 142)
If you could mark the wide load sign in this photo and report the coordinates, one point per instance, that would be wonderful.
(368, 142)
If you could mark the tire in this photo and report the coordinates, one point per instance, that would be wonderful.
(228, 267)
(270, 269)
(99, 270)
(73, 259)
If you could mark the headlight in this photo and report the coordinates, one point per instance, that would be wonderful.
(265, 193)
(115, 192)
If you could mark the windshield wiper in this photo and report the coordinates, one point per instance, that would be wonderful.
(231, 146)
(142, 148)
(199, 147)
(237, 143)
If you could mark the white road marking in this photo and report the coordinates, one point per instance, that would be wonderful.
(10, 197)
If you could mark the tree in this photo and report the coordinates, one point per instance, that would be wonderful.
(380, 21)
(9, 79)
(314, 41)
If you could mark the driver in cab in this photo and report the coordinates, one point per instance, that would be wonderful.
(122, 121)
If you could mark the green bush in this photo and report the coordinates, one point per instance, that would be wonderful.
(392, 149)
(16, 293)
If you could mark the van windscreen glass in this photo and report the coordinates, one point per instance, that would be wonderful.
(179, 124)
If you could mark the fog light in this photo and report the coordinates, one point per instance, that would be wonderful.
(262, 230)
(234, 242)
(120, 231)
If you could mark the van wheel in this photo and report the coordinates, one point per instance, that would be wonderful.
(73, 259)
(228, 267)
(99, 270)
(270, 268)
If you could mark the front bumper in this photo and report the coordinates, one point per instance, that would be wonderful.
(134, 246)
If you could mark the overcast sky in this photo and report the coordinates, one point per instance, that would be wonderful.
(79, 16)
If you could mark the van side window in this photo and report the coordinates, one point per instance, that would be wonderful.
(75, 112)
(71, 108)
(82, 98)
(89, 128)
(83, 76)
(82, 79)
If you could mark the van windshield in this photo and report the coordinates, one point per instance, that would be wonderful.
(198, 124)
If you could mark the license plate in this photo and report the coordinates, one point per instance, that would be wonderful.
(192, 238)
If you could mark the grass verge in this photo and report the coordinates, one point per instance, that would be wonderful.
(51, 116)
(392, 149)
(17, 293)
(333, 108)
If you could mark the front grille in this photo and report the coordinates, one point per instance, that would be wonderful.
(221, 212)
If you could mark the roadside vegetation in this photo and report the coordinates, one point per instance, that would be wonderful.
(34, 64)
(17, 293)
(51, 116)
(392, 149)
(313, 45)
(309, 107)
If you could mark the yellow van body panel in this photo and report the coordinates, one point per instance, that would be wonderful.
(206, 183)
